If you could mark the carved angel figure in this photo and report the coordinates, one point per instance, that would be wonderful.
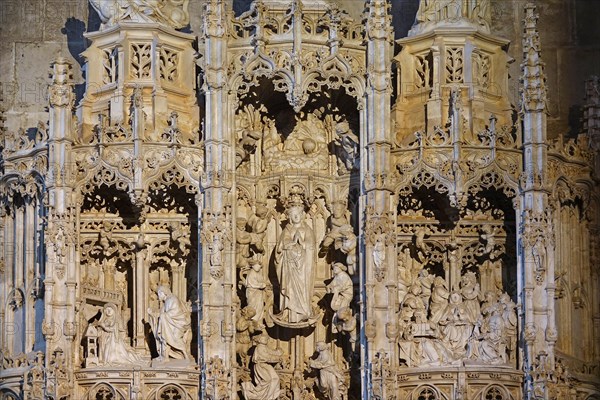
(171, 326)
(113, 348)
(243, 240)
(258, 223)
(173, 13)
(345, 322)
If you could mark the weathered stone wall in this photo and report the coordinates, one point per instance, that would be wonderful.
(33, 32)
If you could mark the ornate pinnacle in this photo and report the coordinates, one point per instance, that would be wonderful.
(61, 90)
(591, 112)
(533, 79)
(214, 20)
(378, 20)
(61, 71)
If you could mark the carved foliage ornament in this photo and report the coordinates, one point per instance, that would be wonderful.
(217, 379)
(28, 187)
(298, 72)
(60, 235)
(216, 236)
(537, 228)
(379, 223)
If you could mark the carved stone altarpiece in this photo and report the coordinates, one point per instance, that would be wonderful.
(339, 222)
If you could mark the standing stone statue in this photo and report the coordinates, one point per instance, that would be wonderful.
(113, 348)
(171, 327)
(330, 377)
(295, 262)
(267, 381)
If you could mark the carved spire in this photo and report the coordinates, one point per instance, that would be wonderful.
(591, 112)
(335, 20)
(533, 79)
(379, 20)
(214, 19)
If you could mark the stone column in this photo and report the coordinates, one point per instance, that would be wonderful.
(218, 261)
(379, 212)
(29, 272)
(141, 295)
(535, 234)
(61, 274)
(3, 280)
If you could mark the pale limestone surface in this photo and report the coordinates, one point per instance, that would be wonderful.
(296, 206)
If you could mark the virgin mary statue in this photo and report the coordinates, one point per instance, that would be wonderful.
(295, 264)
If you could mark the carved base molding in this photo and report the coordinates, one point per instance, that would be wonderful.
(145, 383)
(475, 383)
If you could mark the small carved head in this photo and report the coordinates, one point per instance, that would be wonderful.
(261, 211)
(439, 281)
(163, 292)
(295, 214)
(255, 264)
(415, 289)
(309, 146)
(338, 268)
(322, 346)
(262, 339)
(248, 312)
(342, 127)
(344, 314)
